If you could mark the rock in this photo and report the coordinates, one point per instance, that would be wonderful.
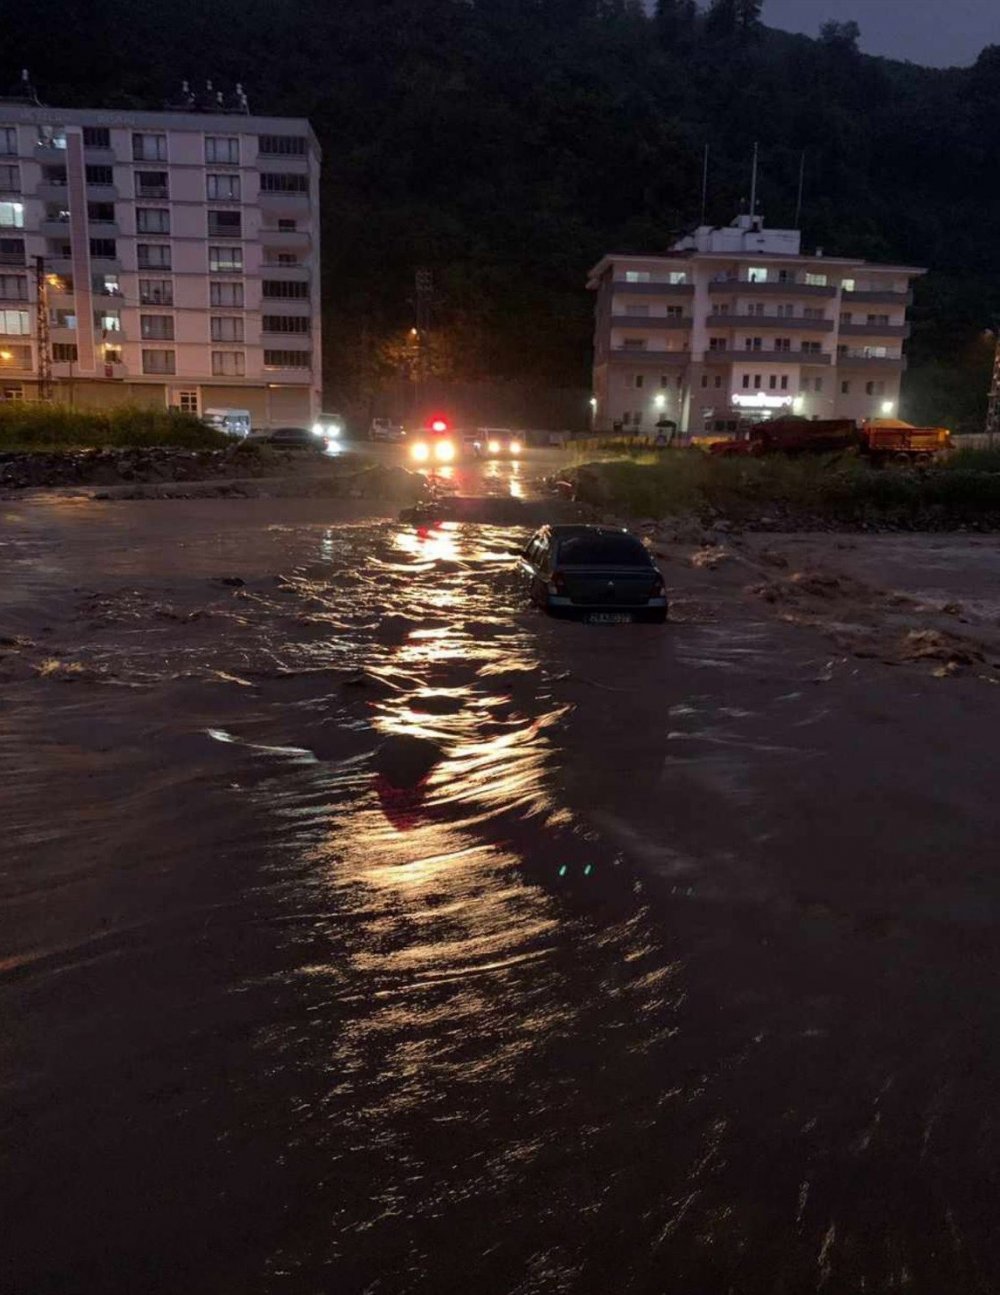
(953, 609)
(235, 582)
(405, 760)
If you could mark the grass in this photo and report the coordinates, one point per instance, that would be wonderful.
(837, 489)
(35, 427)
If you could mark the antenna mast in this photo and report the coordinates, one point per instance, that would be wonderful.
(753, 186)
(704, 187)
(802, 181)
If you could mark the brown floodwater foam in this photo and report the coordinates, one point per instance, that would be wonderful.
(365, 931)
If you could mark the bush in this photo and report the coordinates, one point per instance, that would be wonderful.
(36, 426)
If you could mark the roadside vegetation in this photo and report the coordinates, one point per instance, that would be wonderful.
(43, 427)
(964, 491)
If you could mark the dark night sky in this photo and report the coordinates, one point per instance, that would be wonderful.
(940, 33)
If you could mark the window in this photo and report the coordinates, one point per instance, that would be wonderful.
(813, 312)
(61, 250)
(756, 274)
(784, 382)
(15, 323)
(63, 318)
(158, 362)
(869, 388)
(64, 352)
(106, 285)
(101, 213)
(786, 311)
(282, 145)
(226, 294)
(10, 179)
(636, 416)
(638, 308)
(704, 381)
(156, 328)
(227, 328)
(716, 343)
(638, 381)
(637, 276)
(96, 137)
(108, 321)
(229, 364)
(677, 276)
(287, 360)
(151, 184)
(289, 258)
(286, 226)
(279, 288)
(112, 354)
(104, 249)
(223, 259)
(815, 280)
(225, 224)
(722, 308)
(817, 384)
(15, 357)
(675, 312)
(154, 256)
(878, 319)
(784, 276)
(288, 324)
(811, 348)
(8, 141)
(222, 148)
(152, 220)
(746, 381)
(849, 285)
(632, 343)
(664, 380)
(156, 292)
(60, 283)
(13, 287)
(782, 343)
(11, 393)
(11, 215)
(149, 148)
(846, 317)
(718, 381)
(275, 182)
(876, 352)
(754, 343)
(756, 308)
(223, 188)
(54, 175)
(187, 402)
(100, 175)
(845, 388)
(757, 381)
(772, 382)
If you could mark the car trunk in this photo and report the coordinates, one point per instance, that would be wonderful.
(610, 586)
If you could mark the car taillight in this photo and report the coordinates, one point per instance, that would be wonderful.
(558, 582)
(658, 586)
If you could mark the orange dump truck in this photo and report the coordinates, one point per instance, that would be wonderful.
(882, 440)
(888, 440)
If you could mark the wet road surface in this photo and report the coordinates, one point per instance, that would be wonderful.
(675, 973)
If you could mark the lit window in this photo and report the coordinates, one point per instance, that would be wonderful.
(637, 276)
(11, 215)
(815, 280)
(757, 274)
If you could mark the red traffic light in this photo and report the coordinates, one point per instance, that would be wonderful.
(439, 425)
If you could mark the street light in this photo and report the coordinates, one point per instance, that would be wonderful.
(798, 404)
(660, 401)
(888, 408)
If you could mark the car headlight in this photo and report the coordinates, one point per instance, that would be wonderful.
(444, 451)
(515, 447)
(317, 429)
(420, 452)
(494, 447)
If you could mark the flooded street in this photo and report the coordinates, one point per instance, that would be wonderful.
(365, 931)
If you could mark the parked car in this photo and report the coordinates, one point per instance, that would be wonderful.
(601, 573)
(497, 443)
(295, 438)
(384, 429)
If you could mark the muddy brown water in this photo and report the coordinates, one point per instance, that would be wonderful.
(677, 973)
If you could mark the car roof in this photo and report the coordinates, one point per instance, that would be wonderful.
(565, 531)
(293, 429)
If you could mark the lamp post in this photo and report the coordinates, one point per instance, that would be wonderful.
(593, 412)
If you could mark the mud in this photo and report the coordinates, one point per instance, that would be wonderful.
(365, 931)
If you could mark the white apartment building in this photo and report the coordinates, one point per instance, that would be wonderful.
(736, 323)
(181, 259)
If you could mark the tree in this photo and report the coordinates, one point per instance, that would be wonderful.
(720, 21)
(748, 14)
(840, 35)
(675, 19)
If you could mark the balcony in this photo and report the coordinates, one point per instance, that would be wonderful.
(770, 322)
(887, 297)
(743, 287)
(295, 240)
(49, 154)
(653, 289)
(875, 330)
(858, 360)
(651, 358)
(297, 270)
(48, 191)
(650, 321)
(731, 356)
(13, 258)
(102, 192)
(294, 200)
(104, 228)
(53, 227)
(143, 191)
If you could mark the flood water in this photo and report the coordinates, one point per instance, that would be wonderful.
(676, 972)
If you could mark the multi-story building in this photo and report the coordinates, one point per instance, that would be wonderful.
(176, 254)
(737, 323)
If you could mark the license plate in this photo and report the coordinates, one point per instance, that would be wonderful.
(609, 618)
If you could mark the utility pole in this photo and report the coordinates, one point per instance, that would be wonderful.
(424, 285)
(993, 411)
(42, 336)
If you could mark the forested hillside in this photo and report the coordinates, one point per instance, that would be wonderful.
(506, 144)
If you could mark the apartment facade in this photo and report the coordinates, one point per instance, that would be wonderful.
(180, 259)
(737, 324)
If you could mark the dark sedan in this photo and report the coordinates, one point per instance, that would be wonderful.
(601, 573)
(295, 438)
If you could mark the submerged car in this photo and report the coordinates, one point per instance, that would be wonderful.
(295, 438)
(497, 443)
(601, 573)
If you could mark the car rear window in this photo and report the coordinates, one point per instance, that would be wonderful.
(602, 551)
